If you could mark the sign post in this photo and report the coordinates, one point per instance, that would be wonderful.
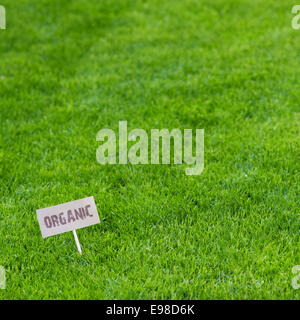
(77, 241)
(68, 216)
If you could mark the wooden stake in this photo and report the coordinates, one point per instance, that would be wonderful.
(77, 241)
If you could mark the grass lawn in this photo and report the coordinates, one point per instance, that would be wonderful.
(71, 68)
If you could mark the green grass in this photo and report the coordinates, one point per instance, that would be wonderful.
(71, 68)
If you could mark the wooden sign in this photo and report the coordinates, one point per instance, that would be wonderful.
(68, 216)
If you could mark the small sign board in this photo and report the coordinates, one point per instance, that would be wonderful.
(67, 216)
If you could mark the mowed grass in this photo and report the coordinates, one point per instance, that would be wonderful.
(71, 68)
